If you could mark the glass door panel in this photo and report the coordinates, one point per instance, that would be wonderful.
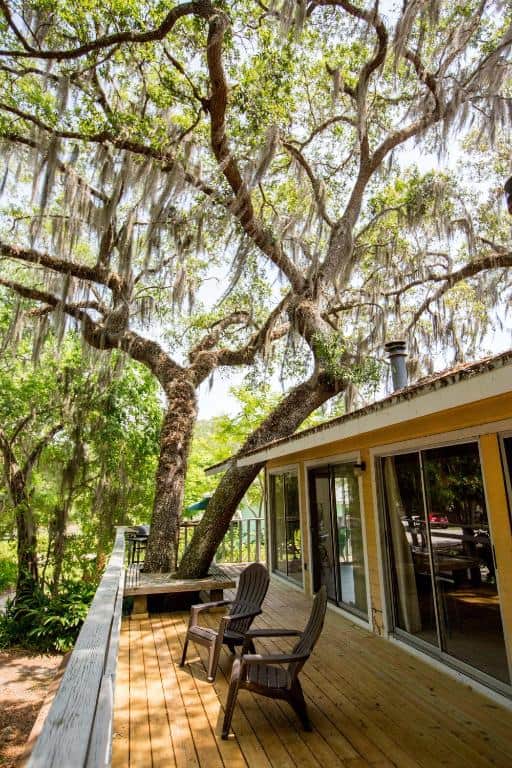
(285, 520)
(278, 523)
(337, 536)
(321, 524)
(352, 577)
(507, 460)
(464, 571)
(409, 551)
(293, 532)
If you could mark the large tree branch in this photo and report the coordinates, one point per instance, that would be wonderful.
(34, 455)
(316, 185)
(9, 457)
(371, 18)
(167, 158)
(65, 168)
(487, 262)
(204, 358)
(97, 274)
(201, 8)
(242, 206)
(20, 426)
(210, 340)
(145, 351)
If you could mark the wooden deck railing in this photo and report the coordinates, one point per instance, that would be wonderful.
(78, 730)
(244, 541)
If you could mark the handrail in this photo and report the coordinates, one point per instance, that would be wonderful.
(77, 732)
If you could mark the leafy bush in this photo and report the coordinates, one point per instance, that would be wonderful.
(46, 623)
(8, 569)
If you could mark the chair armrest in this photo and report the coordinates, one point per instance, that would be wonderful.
(272, 633)
(195, 610)
(244, 615)
(274, 658)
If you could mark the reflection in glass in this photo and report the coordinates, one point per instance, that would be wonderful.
(352, 579)
(323, 540)
(441, 558)
(410, 558)
(278, 517)
(338, 553)
(469, 608)
(293, 532)
(287, 538)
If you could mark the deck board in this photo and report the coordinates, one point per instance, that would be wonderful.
(372, 704)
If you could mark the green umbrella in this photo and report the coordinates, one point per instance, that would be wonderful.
(199, 505)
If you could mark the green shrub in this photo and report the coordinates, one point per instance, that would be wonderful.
(44, 623)
(8, 569)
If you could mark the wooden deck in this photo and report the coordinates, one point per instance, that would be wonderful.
(371, 704)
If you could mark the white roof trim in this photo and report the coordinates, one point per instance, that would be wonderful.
(216, 470)
(477, 387)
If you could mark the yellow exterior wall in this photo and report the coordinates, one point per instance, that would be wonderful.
(473, 415)
(496, 495)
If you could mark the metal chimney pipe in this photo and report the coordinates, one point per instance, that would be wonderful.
(397, 352)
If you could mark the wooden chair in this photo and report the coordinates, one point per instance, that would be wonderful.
(266, 674)
(252, 588)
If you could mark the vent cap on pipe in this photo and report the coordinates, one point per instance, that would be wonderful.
(397, 353)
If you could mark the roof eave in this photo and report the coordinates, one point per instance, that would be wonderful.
(489, 383)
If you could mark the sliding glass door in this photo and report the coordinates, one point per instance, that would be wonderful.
(337, 538)
(286, 553)
(442, 572)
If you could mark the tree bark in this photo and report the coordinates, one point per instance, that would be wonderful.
(27, 549)
(16, 480)
(282, 422)
(59, 543)
(175, 439)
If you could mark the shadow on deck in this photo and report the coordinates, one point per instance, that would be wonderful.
(371, 704)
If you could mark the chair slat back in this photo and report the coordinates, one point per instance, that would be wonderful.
(252, 588)
(312, 630)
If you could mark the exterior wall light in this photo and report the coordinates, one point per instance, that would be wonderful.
(359, 468)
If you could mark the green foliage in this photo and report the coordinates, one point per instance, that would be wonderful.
(47, 623)
(8, 569)
(221, 437)
(332, 351)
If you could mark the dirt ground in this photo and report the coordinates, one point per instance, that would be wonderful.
(24, 681)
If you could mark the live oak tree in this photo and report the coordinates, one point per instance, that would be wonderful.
(279, 129)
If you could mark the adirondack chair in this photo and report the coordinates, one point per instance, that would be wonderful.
(252, 588)
(266, 674)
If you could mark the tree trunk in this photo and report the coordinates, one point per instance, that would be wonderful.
(175, 439)
(282, 422)
(59, 542)
(28, 577)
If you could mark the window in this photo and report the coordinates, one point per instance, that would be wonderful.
(285, 521)
(442, 571)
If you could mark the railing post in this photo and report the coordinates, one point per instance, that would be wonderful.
(258, 539)
(240, 540)
(231, 541)
(248, 521)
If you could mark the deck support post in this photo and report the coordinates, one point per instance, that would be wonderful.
(140, 608)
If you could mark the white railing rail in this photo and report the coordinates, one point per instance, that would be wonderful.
(77, 732)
